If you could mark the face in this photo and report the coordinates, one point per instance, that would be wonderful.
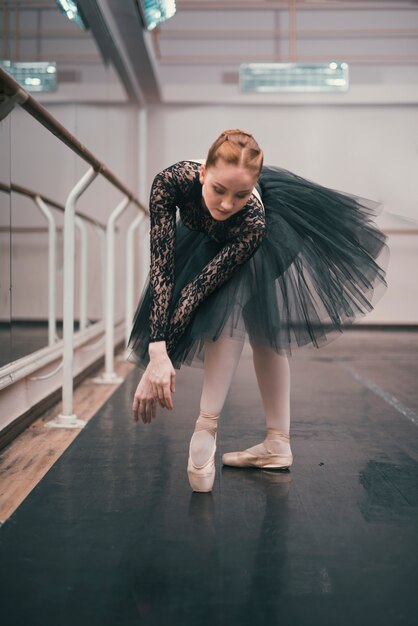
(226, 188)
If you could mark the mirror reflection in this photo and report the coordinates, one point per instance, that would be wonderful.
(5, 245)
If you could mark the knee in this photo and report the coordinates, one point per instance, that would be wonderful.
(265, 350)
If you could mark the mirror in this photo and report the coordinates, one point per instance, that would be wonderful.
(5, 244)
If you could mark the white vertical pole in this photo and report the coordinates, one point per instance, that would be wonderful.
(143, 195)
(144, 261)
(109, 375)
(83, 271)
(133, 228)
(52, 250)
(129, 274)
(142, 156)
(67, 418)
(101, 233)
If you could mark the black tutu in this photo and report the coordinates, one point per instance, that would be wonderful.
(321, 266)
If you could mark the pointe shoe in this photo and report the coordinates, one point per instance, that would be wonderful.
(202, 477)
(267, 460)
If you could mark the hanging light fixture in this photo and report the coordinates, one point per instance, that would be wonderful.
(156, 11)
(72, 11)
(293, 77)
(33, 76)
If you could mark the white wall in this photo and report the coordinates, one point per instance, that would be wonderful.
(367, 150)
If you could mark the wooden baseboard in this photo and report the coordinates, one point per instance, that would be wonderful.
(13, 430)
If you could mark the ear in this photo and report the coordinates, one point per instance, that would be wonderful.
(202, 174)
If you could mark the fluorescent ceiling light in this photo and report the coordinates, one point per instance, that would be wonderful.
(71, 10)
(156, 11)
(291, 77)
(33, 76)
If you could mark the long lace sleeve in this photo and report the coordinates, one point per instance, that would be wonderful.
(166, 190)
(214, 274)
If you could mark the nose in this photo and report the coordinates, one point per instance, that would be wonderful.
(226, 204)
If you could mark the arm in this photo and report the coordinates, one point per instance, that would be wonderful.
(166, 190)
(214, 274)
(159, 378)
(162, 235)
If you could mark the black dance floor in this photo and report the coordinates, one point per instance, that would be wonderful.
(113, 536)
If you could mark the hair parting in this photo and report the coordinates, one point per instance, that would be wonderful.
(237, 147)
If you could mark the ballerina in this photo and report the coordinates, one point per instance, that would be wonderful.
(258, 252)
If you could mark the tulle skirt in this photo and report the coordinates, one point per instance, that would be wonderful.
(321, 265)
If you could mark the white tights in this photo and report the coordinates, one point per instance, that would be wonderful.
(273, 377)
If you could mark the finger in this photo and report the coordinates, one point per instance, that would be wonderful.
(135, 405)
(154, 410)
(167, 397)
(173, 383)
(146, 413)
(137, 415)
(159, 395)
(150, 404)
(154, 391)
(141, 411)
(162, 395)
(145, 416)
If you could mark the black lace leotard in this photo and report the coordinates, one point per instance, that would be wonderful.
(241, 234)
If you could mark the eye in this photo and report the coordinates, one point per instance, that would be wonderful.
(218, 190)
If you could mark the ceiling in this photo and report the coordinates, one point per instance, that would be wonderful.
(196, 54)
(206, 41)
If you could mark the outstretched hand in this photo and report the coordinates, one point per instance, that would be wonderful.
(156, 385)
(162, 377)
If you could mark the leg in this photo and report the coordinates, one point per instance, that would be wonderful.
(273, 377)
(221, 360)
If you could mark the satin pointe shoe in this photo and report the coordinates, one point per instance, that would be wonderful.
(268, 459)
(202, 477)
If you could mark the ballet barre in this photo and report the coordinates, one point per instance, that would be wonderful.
(12, 95)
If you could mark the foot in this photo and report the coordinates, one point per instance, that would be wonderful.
(201, 463)
(273, 453)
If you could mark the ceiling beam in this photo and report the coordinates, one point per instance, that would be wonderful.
(233, 59)
(302, 5)
(249, 5)
(65, 58)
(284, 34)
(52, 34)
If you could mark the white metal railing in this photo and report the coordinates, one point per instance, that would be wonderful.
(43, 204)
(133, 230)
(109, 373)
(11, 94)
(52, 274)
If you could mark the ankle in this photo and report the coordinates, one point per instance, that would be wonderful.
(277, 441)
(203, 441)
(207, 421)
(276, 434)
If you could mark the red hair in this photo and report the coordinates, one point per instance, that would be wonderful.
(237, 147)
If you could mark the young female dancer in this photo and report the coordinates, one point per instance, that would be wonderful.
(258, 251)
